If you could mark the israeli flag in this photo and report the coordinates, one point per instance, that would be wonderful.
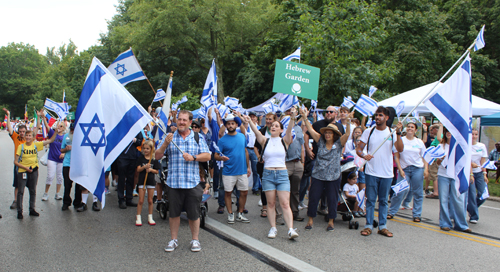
(370, 122)
(314, 104)
(270, 107)
(360, 197)
(348, 102)
(415, 114)
(400, 186)
(216, 148)
(222, 110)
(489, 165)
(202, 112)
(399, 108)
(184, 99)
(366, 105)
(160, 95)
(485, 194)
(294, 55)
(126, 68)
(209, 95)
(59, 108)
(433, 152)
(165, 110)
(103, 129)
(286, 121)
(319, 116)
(452, 105)
(480, 40)
(288, 101)
(231, 102)
(372, 90)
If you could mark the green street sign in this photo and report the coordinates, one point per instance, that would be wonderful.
(296, 79)
(71, 116)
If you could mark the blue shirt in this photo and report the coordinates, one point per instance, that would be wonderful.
(294, 151)
(184, 174)
(65, 142)
(233, 147)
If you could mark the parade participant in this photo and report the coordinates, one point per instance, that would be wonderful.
(350, 191)
(185, 191)
(126, 171)
(26, 161)
(275, 175)
(236, 167)
(433, 168)
(295, 167)
(326, 174)
(147, 167)
(66, 146)
(412, 167)
(476, 189)
(55, 160)
(451, 205)
(495, 158)
(378, 168)
(251, 153)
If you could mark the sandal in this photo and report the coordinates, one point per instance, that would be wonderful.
(417, 219)
(385, 232)
(390, 216)
(366, 232)
(263, 213)
(309, 227)
(432, 196)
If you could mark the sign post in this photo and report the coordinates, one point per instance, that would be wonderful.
(296, 79)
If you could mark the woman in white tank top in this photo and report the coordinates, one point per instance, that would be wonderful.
(275, 176)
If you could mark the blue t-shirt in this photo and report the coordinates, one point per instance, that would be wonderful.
(67, 140)
(233, 147)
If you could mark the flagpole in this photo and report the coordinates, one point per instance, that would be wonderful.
(430, 92)
(147, 79)
(165, 132)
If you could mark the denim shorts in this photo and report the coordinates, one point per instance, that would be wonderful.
(275, 180)
(361, 177)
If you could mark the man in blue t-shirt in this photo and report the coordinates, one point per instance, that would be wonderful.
(68, 183)
(232, 147)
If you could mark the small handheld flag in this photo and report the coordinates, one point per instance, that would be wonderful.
(399, 108)
(360, 197)
(432, 153)
(372, 90)
(485, 194)
(480, 40)
(400, 186)
(348, 102)
(160, 95)
(366, 105)
(489, 165)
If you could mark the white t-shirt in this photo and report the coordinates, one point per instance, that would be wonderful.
(478, 151)
(350, 148)
(442, 171)
(382, 162)
(351, 189)
(413, 153)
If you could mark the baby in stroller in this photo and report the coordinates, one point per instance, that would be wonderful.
(350, 190)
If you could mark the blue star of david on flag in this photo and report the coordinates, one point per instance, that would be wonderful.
(123, 70)
(87, 128)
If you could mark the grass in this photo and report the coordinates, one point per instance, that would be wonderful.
(494, 188)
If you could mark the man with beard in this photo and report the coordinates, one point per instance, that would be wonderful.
(236, 167)
(378, 168)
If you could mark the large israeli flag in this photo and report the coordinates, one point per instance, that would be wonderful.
(107, 119)
(126, 68)
(294, 55)
(480, 43)
(366, 105)
(209, 95)
(60, 109)
(452, 105)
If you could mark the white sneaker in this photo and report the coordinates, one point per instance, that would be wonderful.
(302, 206)
(138, 220)
(473, 221)
(45, 197)
(242, 218)
(292, 234)
(216, 195)
(260, 203)
(272, 233)
(114, 183)
(58, 197)
(151, 222)
(171, 245)
(230, 218)
(195, 246)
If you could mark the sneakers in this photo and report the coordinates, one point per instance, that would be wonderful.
(172, 245)
(106, 191)
(230, 218)
(14, 205)
(406, 208)
(82, 208)
(242, 218)
(134, 193)
(138, 220)
(58, 197)
(20, 215)
(302, 206)
(292, 234)
(260, 203)
(45, 197)
(220, 210)
(34, 213)
(114, 183)
(151, 222)
(95, 207)
(473, 221)
(272, 233)
(65, 207)
(216, 195)
(195, 246)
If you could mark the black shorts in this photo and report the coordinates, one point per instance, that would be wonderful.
(188, 200)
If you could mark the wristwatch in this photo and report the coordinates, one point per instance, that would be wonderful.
(194, 157)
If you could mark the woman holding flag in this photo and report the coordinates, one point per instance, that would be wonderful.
(55, 160)
(412, 167)
(479, 156)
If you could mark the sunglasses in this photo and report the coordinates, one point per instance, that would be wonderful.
(196, 127)
(330, 111)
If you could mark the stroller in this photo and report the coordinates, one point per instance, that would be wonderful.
(163, 205)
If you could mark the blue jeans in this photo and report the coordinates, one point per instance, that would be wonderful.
(253, 162)
(304, 185)
(476, 190)
(380, 187)
(415, 178)
(451, 205)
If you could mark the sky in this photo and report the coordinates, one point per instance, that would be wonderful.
(52, 23)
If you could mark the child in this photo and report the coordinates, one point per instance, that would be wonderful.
(350, 190)
(147, 167)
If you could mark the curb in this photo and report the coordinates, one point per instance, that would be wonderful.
(494, 198)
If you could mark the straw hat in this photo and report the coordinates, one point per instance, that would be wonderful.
(331, 127)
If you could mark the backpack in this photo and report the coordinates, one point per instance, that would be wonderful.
(264, 149)
(22, 152)
(370, 135)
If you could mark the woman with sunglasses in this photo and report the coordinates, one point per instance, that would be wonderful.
(55, 160)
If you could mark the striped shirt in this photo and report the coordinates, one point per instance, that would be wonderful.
(184, 174)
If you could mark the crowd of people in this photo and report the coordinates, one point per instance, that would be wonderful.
(286, 165)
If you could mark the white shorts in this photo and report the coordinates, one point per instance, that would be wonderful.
(147, 186)
(240, 181)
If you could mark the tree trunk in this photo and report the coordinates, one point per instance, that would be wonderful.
(220, 81)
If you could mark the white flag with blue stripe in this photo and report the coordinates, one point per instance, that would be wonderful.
(288, 101)
(348, 102)
(222, 110)
(314, 104)
(126, 68)
(231, 102)
(286, 121)
(360, 197)
(400, 186)
(433, 152)
(372, 90)
(165, 110)
(107, 119)
(489, 165)
(366, 105)
(415, 114)
(270, 107)
(399, 108)
(319, 116)
(480, 43)
(209, 95)
(452, 105)
(160, 95)
(294, 55)
(370, 122)
(485, 194)
(59, 108)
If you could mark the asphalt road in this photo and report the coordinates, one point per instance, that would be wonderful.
(108, 240)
